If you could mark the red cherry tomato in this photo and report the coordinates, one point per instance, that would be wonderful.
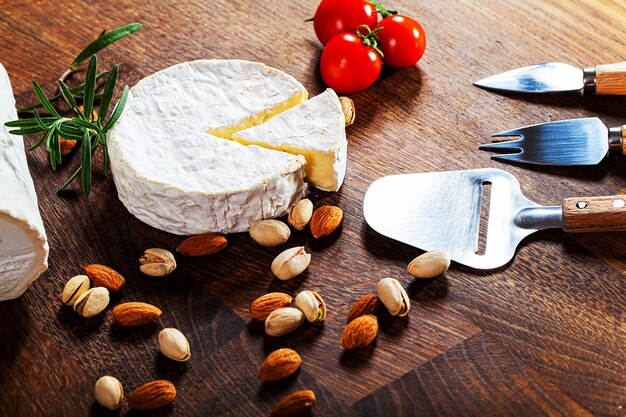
(348, 64)
(336, 16)
(402, 40)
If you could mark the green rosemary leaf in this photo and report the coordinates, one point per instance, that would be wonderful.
(40, 122)
(104, 41)
(26, 130)
(29, 122)
(67, 94)
(81, 87)
(57, 144)
(38, 143)
(85, 177)
(76, 91)
(46, 139)
(117, 111)
(108, 93)
(44, 100)
(84, 124)
(70, 132)
(90, 86)
(105, 163)
(54, 148)
(70, 179)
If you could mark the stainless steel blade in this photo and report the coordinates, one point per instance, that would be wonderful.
(565, 142)
(441, 210)
(550, 77)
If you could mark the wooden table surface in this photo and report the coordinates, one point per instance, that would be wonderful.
(544, 336)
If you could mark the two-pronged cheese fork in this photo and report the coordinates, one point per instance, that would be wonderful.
(567, 142)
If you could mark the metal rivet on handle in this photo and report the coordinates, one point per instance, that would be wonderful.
(619, 203)
(581, 204)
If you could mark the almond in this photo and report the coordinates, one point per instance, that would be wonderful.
(66, 145)
(265, 304)
(135, 314)
(295, 404)
(325, 220)
(368, 304)
(103, 276)
(360, 332)
(280, 364)
(152, 395)
(204, 244)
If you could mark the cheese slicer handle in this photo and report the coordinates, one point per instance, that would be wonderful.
(607, 79)
(594, 214)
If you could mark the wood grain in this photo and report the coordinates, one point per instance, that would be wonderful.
(545, 335)
(594, 214)
(611, 78)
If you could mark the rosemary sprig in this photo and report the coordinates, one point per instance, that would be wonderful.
(87, 129)
(104, 40)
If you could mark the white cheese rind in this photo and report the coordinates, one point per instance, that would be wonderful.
(173, 175)
(23, 243)
(315, 128)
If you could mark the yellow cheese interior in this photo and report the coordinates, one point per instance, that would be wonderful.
(226, 132)
(318, 169)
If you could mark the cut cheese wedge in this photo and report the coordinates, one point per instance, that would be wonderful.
(23, 244)
(315, 129)
(171, 169)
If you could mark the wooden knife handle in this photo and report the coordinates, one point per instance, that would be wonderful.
(594, 214)
(611, 78)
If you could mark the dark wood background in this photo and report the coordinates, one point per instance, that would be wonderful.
(544, 336)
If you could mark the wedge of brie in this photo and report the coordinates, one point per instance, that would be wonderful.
(172, 162)
(23, 244)
(315, 129)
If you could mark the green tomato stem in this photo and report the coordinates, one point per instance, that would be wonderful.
(370, 38)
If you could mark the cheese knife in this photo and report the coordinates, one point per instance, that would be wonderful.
(585, 141)
(554, 77)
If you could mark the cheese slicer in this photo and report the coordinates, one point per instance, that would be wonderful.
(442, 210)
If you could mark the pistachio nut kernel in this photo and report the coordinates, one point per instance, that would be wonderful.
(300, 214)
(92, 302)
(430, 264)
(291, 263)
(312, 306)
(74, 288)
(270, 233)
(394, 297)
(109, 392)
(174, 345)
(157, 262)
(283, 320)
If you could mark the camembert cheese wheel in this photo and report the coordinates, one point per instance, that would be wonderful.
(173, 162)
(23, 244)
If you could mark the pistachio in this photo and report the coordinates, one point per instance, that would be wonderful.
(74, 288)
(430, 264)
(270, 233)
(347, 106)
(109, 392)
(174, 345)
(157, 262)
(291, 263)
(300, 214)
(312, 306)
(92, 302)
(283, 320)
(394, 297)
